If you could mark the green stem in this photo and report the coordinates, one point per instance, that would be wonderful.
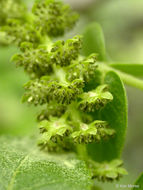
(75, 115)
(74, 112)
(47, 42)
(82, 152)
(127, 79)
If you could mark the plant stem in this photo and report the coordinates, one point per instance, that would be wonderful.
(76, 117)
(127, 79)
(82, 152)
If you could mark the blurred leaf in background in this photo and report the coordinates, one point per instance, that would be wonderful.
(122, 23)
(15, 118)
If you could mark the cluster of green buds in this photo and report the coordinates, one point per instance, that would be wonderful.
(47, 18)
(91, 132)
(95, 99)
(53, 17)
(107, 171)
(11, 9)
(59, 81)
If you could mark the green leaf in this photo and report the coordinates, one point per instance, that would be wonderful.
(115, 113)
(24, 167)
(139, 183)
(93, 41)
(133, 69)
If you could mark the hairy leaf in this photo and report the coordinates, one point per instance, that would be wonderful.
(115, 113)
(133, 69)
(24, 167)
(93, 41)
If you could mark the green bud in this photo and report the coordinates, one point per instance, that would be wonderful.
(65, 93)
(11, 9)
(61, 146)
(95, 99)
(36, 62)
(44, 90)
(107, 171)
(54, 129)
(53, 17)
(37, 92)
(89, 133)
(53, 109)
(62, 53)
(19, 32)
(84, 69)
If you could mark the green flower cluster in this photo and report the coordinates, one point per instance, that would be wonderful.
(39, 61)
(91, 132)
(11, 9)
(55, 85)
(63, 53)
(36, 62)
(17, 32)
(60, 78)
(95, 99)
(84, 69)
(107, 170)
(53, 17)
(48, 17)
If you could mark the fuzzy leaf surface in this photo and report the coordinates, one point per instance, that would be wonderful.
(24, 167)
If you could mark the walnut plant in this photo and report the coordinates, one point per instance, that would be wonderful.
(83, 117)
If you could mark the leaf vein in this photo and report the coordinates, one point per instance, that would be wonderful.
(10, 186)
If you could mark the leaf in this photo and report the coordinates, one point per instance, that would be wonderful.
(139, 183)
(115, 113)
(133, 69)
(93, 41)
(24, 167)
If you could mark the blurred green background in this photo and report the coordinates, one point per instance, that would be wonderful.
(122, 23)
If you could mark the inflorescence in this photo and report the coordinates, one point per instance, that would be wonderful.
(59, 80)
